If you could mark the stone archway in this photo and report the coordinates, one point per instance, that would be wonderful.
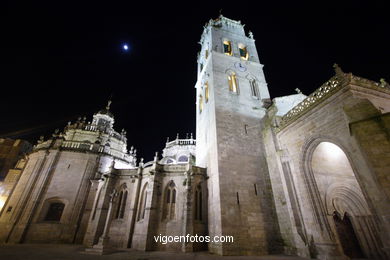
(336, 189)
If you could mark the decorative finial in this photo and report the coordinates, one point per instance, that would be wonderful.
(338, 70)
(168, 139)
(186, 135)
(383, 83)
(108, 104)
(298, 91)
(191, 136)
(156, 157)
(220, 12)
(177, 136)
(250, 34)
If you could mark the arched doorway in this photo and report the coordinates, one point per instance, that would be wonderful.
(349, 241)
(353, 227)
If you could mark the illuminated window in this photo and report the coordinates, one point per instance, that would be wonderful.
(227, 48)
(198, 203)
(200, 104)
(233, 86)
(54, 212)
(243, 52)
(206, 91)
(254, 88)
(206, 54)
(170, 201)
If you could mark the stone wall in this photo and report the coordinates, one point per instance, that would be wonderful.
(329, 121)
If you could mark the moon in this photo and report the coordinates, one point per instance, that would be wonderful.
(125, 47)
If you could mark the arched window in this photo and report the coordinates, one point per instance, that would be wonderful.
(54, 212)
(142, 203)
(206, 91)
(198, 203)
(169, 211)
(183, 158)
(120, 212)
(243, 52)
(227, 47)
(169, 161)
(200, 104)
(119, 204)
(123, 207)
(233, 86)
(254, 88)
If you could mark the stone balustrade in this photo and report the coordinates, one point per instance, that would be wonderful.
(326, 90)
(181, 142)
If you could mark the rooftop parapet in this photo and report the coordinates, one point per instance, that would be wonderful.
(330, 87)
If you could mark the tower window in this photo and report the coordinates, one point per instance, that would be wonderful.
(243, 52)
(254, 88)
(233, 86)
(206, 54)
(55, 212)
(206, 92)
(200, 104)
(227, 48)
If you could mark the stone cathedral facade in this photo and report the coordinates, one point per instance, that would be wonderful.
(296, 175)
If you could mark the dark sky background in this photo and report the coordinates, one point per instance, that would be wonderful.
(61, 60)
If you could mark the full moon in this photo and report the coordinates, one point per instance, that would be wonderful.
(125, 47)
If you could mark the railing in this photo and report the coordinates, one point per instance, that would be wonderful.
(79, 145)
(95, 128)
(84, 146)
(181, 142)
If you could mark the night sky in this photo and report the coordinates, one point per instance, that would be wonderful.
(60, 60)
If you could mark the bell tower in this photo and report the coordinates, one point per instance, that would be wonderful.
(231, 91)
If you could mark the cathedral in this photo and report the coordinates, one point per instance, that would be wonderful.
(295, 175)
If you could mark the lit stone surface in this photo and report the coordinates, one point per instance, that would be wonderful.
(301, 175)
